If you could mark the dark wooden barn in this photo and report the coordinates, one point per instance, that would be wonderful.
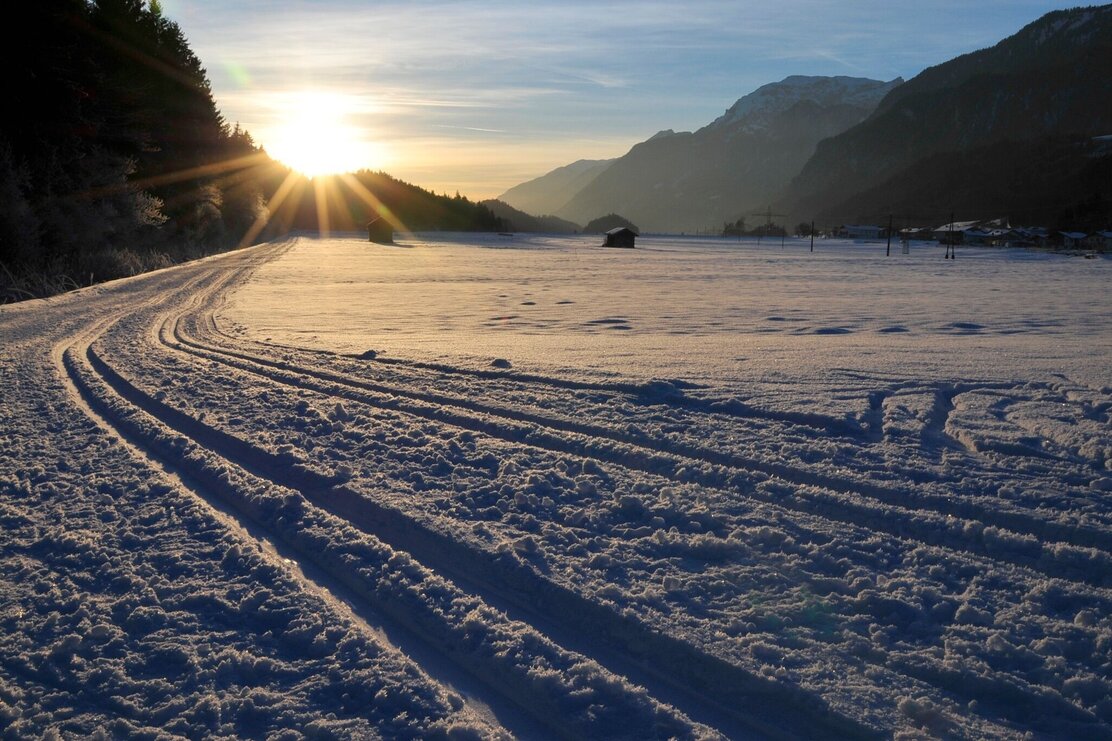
(620, 237)
(380, 230)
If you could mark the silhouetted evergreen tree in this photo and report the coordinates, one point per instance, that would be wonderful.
(52, 151)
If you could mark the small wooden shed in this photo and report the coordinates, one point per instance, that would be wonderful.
(380, 230)
(620, 237)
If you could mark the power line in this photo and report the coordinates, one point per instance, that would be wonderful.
(768, 223)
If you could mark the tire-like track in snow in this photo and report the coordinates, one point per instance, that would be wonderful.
(124, 412)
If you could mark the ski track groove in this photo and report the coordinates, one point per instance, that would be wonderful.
(658, 460)
(356, 509)
(331, 590)
(960, 507)
(722, 687)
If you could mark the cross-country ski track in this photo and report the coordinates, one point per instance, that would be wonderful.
(585, 556)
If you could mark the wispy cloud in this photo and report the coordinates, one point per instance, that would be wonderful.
(473, 128)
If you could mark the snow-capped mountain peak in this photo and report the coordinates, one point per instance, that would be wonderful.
(753, 112)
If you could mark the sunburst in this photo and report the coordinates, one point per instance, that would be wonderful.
(320, 138)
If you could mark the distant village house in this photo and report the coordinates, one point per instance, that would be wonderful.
(1070, 240)
(1028, 237)
(1099, 241)
(984, 233)
(911, 234)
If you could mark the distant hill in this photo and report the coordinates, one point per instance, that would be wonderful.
(736, 164)
(349, 207)
(972, 133)
(608, 222)
(551, 191)
(519, 221)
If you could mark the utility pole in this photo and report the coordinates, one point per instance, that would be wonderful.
(954, 241)
(888, 250)
(950, 239)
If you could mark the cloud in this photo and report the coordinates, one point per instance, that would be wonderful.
(568, 71)
(474, 128)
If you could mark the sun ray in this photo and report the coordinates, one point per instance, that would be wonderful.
(320, 191)
(342, 218)
(250, 174)
(275, 203)
(378, 206)
(190, 173)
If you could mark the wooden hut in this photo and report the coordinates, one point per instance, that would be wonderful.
(620, 237)
(380, 230)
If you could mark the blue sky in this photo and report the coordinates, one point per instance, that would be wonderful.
(479, 96)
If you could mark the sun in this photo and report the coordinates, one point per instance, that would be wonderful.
(317, 138)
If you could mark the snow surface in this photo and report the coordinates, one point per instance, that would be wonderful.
(476, 485)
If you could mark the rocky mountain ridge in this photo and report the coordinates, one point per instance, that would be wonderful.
(695, 180)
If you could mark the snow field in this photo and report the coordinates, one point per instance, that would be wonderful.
(129, 610)
(849, 544)
(993, 507)
(567, 691)
(744, 317)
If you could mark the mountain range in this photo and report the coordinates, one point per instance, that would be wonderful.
(547, 194)
(976, 126)
(1009, 130)
(516, 220)
(695, 180)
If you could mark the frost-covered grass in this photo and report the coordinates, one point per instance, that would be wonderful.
(634, 493)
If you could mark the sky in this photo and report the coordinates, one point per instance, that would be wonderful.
(477, 96)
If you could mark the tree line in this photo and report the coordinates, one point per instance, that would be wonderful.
(114, 158)
(345, 203)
